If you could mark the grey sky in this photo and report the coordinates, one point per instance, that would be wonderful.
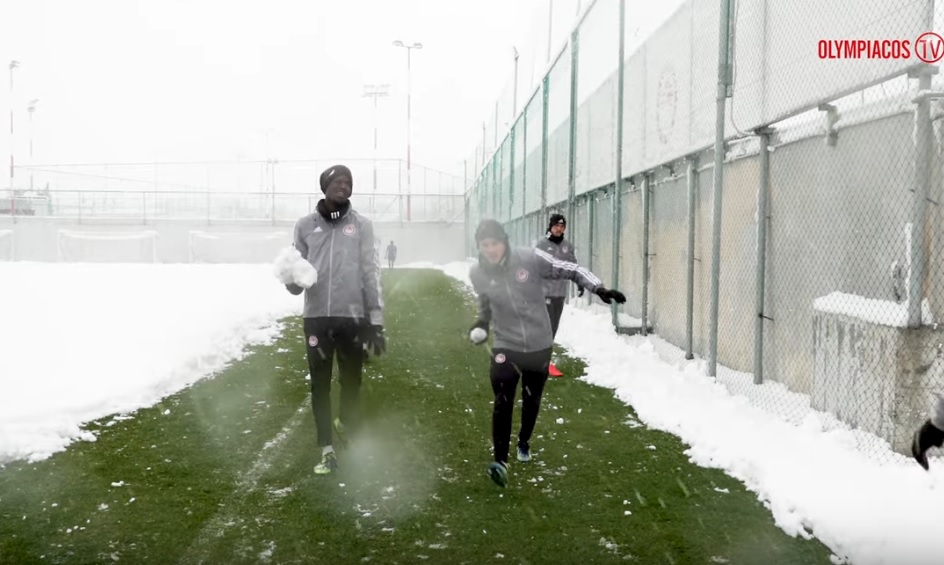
(161, 80)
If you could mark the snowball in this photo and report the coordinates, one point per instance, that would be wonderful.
(283, 266)
(478, 335)
(304, 273)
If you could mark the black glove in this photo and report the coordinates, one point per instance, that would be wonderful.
(608, 296)
(374, 339)
(924, 439)
(580, 290)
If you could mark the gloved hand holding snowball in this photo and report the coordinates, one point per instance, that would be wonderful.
(291, 268)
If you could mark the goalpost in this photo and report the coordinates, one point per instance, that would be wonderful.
(236, 247)
(106, 247)
(7, 248)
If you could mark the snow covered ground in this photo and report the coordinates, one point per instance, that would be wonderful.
(79, 342)
(82, 341)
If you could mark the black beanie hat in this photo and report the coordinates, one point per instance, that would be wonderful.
(332, 172)
(490, 229)
(556, 219)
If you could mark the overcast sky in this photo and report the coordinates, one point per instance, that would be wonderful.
(165, 80)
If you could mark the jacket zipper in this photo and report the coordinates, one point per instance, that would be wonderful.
(330, 269)
(524, 333)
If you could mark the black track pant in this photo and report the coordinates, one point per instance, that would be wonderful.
(507, 368)
(555, 307)
(325, 337)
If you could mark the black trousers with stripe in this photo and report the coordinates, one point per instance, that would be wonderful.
(508, 368)
(555, 308)
(325, 339)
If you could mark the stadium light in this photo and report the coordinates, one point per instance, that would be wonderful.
(409, 88)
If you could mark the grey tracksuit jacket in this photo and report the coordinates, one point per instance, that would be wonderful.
(563, 251)
(340, 245)
(511, 296)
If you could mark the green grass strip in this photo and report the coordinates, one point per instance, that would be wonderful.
(222, 472)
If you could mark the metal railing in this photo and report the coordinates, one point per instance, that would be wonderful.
(89, 206)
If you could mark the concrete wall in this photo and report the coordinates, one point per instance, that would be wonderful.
(878, 378)
(37, 239)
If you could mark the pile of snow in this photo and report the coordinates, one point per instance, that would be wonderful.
(458, 270)
(84, 341)
(872, 310)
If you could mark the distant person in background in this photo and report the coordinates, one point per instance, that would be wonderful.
(343, 309)
(931, 433)
(555, 291)
(391, 254)
(510, 289)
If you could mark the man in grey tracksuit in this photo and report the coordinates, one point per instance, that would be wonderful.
(556, 246)
(344, 309)
(510, 288)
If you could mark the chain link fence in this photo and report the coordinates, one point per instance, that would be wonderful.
(813, 282)
(276, 191)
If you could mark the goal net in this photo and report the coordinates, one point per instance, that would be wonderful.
(107, 247)
(236, 247)
(6, 245)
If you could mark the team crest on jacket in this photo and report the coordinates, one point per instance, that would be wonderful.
(564, 249)
(521, 275)
(500, 358)
(348, 229)
(313, 341)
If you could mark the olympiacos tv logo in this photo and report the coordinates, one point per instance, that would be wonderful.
(929, 47)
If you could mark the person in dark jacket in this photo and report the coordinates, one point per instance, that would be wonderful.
(510, 288)
(343, 310)
(391, 254)
(556, 246)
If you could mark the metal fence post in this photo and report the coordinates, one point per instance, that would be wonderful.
(544, 98)
(762, 192)
(645, 255)
(511, 172)
(616, 232)
(572, 154)
(724, 73)
(922, 178)
(497, 182)
(691, 178)
(590, 202)
(468, 243)
(524, 162)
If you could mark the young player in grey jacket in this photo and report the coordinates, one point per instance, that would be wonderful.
(344, 309)
(510, 288)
